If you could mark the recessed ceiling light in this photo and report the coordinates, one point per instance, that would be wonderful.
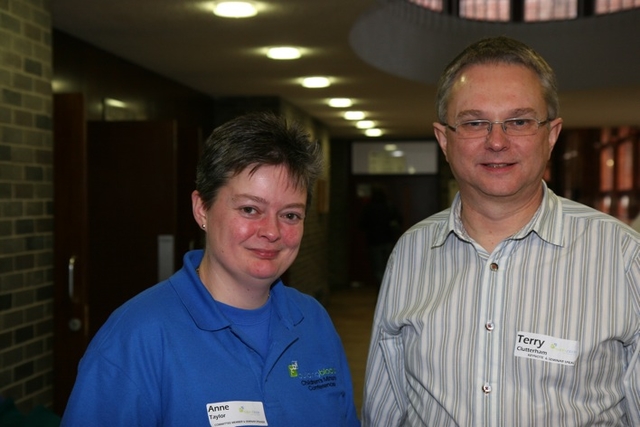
(114, 103)
(340, 102)
(365, 124)
(315, 82)
(354, 115)
(373, 132)
(283, 52)
(235, 9)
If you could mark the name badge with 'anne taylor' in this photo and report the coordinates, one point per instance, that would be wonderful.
(546, 348)
(236, 413)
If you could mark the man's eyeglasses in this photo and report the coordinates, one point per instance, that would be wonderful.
(511, 127)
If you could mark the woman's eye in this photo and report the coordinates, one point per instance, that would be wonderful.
(293, 216)
(248, 210)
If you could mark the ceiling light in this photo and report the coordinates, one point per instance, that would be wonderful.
(234, 9)
(114, 103)
(354, 115)
(373, 132)
(315, 82)
(365, 124)
(283, 52)
(340, 102)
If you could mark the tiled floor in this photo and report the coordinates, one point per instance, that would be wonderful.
(352, 313)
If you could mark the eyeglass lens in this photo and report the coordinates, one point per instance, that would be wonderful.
(513, 127)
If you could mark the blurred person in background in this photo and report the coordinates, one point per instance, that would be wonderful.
(380, 221)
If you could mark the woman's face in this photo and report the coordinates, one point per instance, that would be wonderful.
(253, 228)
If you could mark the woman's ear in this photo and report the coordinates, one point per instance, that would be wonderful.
(199, 211)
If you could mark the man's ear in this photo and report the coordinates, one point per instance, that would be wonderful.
(440, 131)
(554, 133)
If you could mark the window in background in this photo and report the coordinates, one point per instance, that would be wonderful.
(527, 11)
(494, 10)
(606, 168)
(394, 158)
(620, 172)
(548, 10)
(610, 6)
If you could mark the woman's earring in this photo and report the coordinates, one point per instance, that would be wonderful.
(204, 226)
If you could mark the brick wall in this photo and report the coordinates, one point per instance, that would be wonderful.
(26, 191)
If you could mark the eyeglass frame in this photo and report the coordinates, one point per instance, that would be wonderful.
(500, 122)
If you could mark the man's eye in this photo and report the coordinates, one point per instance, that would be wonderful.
(474, 124)
(520, 123)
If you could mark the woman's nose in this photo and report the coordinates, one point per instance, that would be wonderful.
(269, 228)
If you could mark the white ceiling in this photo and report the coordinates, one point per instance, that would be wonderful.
(184, 41)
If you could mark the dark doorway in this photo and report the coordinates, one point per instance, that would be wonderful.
(122, 220)
(415, 196)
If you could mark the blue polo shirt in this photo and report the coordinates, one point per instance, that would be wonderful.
(170, 357)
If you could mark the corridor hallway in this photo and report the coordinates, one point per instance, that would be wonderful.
(351, 310)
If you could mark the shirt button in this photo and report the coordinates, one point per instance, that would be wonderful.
(489, 326)
(494, 266)
(486, 388)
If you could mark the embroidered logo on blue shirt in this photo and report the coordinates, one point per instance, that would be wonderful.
(314, 380)
(293, 369)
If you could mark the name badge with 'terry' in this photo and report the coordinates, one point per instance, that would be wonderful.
(546, 348)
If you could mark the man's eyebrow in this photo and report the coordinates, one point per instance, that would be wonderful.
(469, 114)
(522, 111)
(477, 114)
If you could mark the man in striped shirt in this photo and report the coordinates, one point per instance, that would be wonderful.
(514, 307)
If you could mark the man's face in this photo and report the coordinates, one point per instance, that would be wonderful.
(497, 166)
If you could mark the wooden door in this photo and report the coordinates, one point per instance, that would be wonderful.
(115, 198)
(71, 253)
(132, 194)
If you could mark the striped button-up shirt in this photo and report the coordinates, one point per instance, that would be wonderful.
(543, 331)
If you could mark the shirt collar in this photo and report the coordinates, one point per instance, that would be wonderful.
(205, 312)
(547, 222)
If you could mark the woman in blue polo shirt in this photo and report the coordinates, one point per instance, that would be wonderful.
(224, 342)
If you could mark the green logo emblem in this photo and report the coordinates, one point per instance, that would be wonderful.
(293, 369)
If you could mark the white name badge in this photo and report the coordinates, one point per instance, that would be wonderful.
(236, 413)
(545, 348)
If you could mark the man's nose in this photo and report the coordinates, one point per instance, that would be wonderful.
(497, 139)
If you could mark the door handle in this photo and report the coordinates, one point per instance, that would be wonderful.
(75, 324)
(72, 265)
